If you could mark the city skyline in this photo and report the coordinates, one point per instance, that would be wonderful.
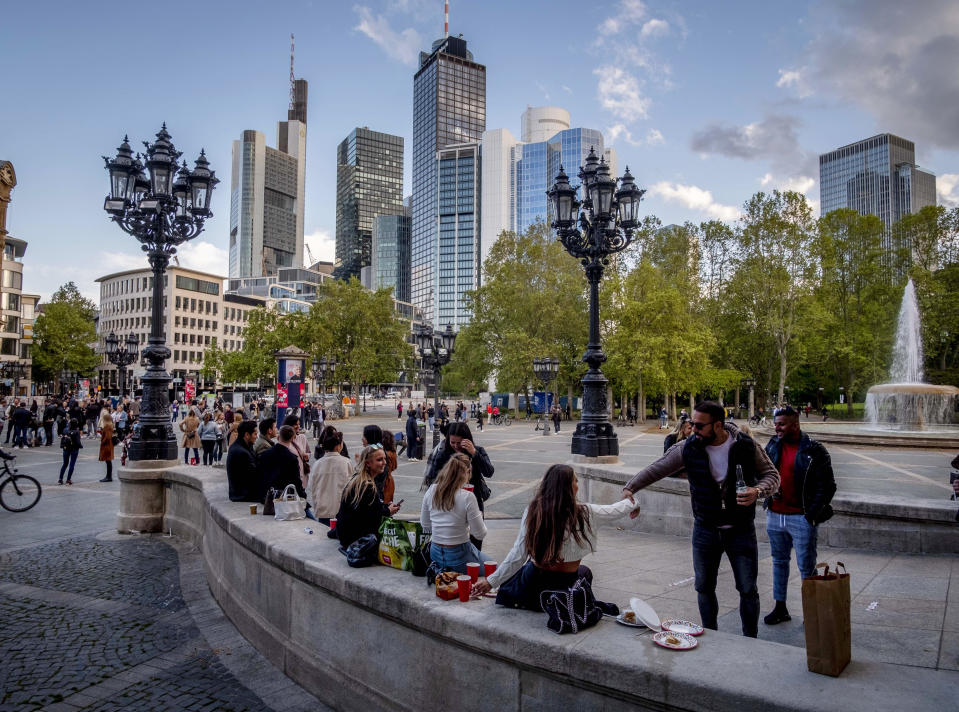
(705, 104)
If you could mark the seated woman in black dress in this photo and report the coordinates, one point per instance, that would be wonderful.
(361, 507)
(556, 532)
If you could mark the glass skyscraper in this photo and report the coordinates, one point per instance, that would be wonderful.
(390, 266)
(369, 182)
(877, 176)
(449, 108)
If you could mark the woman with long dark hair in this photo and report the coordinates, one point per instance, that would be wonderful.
(459, 439)
(556, 532)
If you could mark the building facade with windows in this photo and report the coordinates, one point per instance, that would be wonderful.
(449, 108)
(390, 266)
(196, 312)
(17, 314)
(267, 196)
(517, 173)
(369, 182)
(876, 176)
(458, 248)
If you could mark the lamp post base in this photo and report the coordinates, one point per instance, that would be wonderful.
(595, 440)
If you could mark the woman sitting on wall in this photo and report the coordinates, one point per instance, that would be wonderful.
(361, 507)
(555, 533)
(453, 515)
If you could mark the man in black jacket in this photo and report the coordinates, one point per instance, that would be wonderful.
(246, 485)
(794, 511)
(724, 512)
(279, 467)
(21, 421)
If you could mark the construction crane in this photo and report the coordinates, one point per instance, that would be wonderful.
(309, 253)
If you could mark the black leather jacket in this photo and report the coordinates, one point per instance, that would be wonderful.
(813, 475)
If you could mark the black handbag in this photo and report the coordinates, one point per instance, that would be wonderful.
(363, 552)
(572, 610)
(269, 509)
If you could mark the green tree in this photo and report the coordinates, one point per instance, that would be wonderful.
(63, 335)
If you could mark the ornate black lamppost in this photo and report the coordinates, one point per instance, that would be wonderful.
(320, 369)
(546, 369)
(162, 209)
(14, 370)
(121, 354)
(67, 378)
(607, 217)
(435, 352)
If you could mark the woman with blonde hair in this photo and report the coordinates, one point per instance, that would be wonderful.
(106, 428)
(452, 515)
(361, 507)
(683, 429)
(231, 432)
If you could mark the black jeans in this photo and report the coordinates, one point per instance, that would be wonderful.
(739, 545)
(208, 446)
(524, 588)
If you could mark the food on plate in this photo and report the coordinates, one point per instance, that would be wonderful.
(629, 616)
(446, 587)
(672, 640)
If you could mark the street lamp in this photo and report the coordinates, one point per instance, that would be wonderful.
(162, 208)
(436, 350)
(545, 369)
(14, 370)
(67, 378)
(321, 368)
(121, 354)
(608, 218)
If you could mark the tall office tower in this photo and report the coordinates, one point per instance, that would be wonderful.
(449, 107)
(458, 249)
(517, 173)
(877, 176)
(369, 182)
(390, 266)
(267, 195)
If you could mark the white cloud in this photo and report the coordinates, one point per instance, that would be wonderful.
(121, 261)
(694, 198)
(947, 188)
(567, 89)
(800, 184)
(619, 93)
(794, 79)
(44, 279)
(322, 245)
(654, 27)
(628, 12)
(617, 131)
(403, 46)
(654, 137)
(542, 88)
(204, 257)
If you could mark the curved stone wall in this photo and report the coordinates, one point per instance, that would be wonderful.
(376, 638)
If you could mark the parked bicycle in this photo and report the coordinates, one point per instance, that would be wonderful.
(502, 419)
(18, 493)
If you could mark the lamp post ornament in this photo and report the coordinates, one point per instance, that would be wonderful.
(435, 352)
(161, 208)
(607, 217)
(545, 370)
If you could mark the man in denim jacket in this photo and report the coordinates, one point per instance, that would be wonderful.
(794, 512)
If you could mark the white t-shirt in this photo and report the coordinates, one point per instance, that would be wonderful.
(454, 526)
(719, 458)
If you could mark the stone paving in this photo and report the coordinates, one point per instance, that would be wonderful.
(103, 622)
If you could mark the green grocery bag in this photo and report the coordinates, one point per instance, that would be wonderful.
(399, 541)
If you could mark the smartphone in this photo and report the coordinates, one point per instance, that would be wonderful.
(400, 502)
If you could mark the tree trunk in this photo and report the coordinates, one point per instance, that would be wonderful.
(641, 402)
(515, 397)
(692, 403)
(782, 378)
(570, 400)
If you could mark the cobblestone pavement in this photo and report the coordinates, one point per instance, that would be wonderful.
(103, 622)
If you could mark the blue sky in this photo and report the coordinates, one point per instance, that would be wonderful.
(707, 102)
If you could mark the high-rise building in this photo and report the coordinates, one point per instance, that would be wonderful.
(390, 266)
(369, 182)
(267, 195)
(458, 248)
(877, 176)
(449, 108)
(517, 173)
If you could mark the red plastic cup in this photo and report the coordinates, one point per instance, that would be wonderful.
(192, 460)
(468, 488)
(488, 568)
(332, 523)
(463, 586)
(472, 570)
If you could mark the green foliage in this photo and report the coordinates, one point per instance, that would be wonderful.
(63, 334)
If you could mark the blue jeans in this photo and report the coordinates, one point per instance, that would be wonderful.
(455, 558)
(19, 435)
(790, 531)
(739, 545)
(69, 458)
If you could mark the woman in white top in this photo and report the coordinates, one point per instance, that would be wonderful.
(556, 532)
(328, 478)
(451, 514)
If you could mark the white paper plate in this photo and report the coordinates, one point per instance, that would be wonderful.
(623, 621)
(645, 613)
(686, 642)
(677, 625)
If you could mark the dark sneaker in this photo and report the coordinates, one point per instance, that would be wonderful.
(777, 616)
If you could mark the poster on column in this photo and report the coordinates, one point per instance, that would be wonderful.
(189, 389)
(282, 395)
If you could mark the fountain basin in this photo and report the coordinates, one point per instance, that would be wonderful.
(910, 406)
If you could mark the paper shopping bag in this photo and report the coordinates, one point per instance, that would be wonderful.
(825, 607)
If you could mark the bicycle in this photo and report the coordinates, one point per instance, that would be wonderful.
(18, 493)
(502, 419)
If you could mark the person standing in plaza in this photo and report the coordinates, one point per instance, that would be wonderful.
(208, 437)
(663, 418)
(190, 426)
(799, 506)
(414, 443)
(557, 416)
(91, 414)
(105, 426)
(242, 474)
(71, 445)
(727, 472)
(21, 421)
(267, 436)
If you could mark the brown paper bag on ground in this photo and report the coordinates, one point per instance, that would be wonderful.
(825, 607)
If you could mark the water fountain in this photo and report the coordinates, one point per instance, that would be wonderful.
(908, 403)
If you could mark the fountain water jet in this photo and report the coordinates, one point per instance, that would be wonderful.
(908, 402)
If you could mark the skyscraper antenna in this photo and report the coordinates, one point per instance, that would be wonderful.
(292, 81)
(446, 19)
